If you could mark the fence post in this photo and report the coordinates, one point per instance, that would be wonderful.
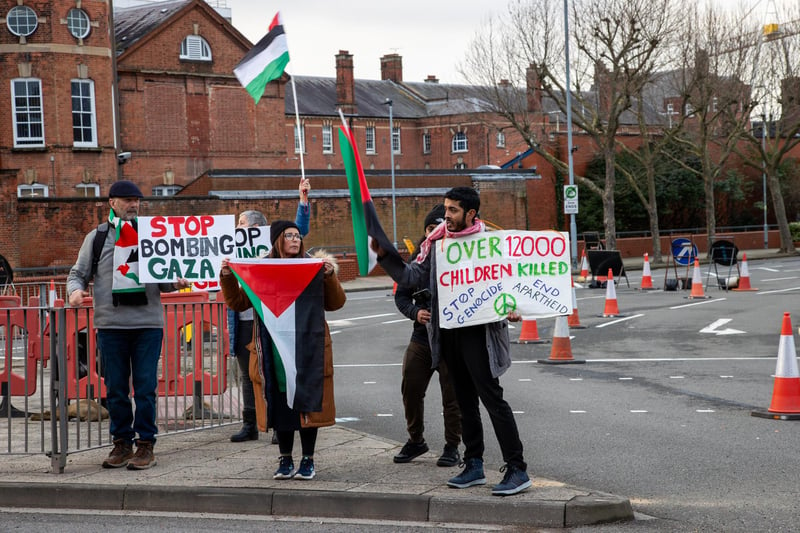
(58, 389)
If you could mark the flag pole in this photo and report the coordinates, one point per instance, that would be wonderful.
(299, 131)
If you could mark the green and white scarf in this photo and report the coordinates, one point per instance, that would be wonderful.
(125, 286)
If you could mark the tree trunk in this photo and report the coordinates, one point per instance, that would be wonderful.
(609, 220)
(780, 212)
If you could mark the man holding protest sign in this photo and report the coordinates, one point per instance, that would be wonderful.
(476, 355)
(130, 327)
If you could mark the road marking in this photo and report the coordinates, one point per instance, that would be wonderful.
(576, 412)
(518, 412)
(718, 323)
(347, 321)
(525, 379)
(779, 290)
(370, 382)
(638, 411)
(705, 410)
(335, 332)
(618, 321)
(766, 268)
(676, 377)
(698, 303)
(576, 379)
(396, 321)
(384, 414)
(778, 279)
(726, 377)
(591, 297)
(625, 379)
(345, 419)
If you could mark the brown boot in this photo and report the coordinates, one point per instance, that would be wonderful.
(143, 458)
(120, 455)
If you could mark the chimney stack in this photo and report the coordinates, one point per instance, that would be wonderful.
(392, 67)
(345, 82)
(533, 90)
(431, 79)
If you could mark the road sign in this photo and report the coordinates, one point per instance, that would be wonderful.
(684, 251)
(570, 199)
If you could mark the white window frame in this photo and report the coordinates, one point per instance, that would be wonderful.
(166, 190)
(195, 48)
(460, 143)
(81, 113)
(500, 139)
(26, 111)
(85, 188)
(297, 140)
(396, 146)
(16, 14)
(33, 190)
(78, 23)
(327, 139)
(426, 143)
(369, 142)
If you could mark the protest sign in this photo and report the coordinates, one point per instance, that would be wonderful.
(483, 277)
(252, 242)
(190, 247)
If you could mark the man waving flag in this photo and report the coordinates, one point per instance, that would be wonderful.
(265, 62)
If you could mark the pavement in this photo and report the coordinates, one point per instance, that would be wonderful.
(202, 471)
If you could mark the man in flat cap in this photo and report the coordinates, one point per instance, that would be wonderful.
(129, 320)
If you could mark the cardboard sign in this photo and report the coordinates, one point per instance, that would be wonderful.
(190, 247)
(483, 277)
(253, 242)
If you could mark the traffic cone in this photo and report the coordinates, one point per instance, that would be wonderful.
(697, 283)
(52, 295)
(529, 334)
(611, 309)
(584, 275)
(786, 390)
(744, 279)
(573, 320)
(561, 351)
(647, 278)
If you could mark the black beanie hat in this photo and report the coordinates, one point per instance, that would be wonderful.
(279, 226)
(124, 189)
(436, 216)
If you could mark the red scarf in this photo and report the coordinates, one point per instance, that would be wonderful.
(441, 233)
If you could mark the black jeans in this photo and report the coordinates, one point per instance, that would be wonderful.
(417, 373)
(244, 336)
(464, 350)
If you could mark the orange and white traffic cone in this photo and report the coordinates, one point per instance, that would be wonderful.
(52, 295)
(697, 283)
(573, 320)
(529, 334)
(647, 278)
(611, 309)
(584, 275)
(786, 390)
(561, 351)
(744, 279)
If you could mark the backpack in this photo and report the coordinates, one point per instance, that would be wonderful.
(97, 245)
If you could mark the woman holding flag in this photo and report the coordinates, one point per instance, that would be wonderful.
(277, 399)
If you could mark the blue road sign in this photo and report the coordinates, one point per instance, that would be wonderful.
(684, 251)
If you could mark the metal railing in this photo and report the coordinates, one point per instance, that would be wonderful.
(52, 370)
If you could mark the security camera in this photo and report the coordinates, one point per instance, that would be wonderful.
(123, 157)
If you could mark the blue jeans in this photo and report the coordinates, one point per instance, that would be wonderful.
(131, 355)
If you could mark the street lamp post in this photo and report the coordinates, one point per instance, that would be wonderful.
(391, 157)
(573, 229)
(764, 176)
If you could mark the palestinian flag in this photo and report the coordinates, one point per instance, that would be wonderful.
(126, 259)
(287, 294)
(264, 62)
(366, 226)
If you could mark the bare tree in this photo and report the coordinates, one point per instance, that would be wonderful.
(777, 86)
(615, 43)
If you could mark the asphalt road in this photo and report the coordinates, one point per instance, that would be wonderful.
(660, 412)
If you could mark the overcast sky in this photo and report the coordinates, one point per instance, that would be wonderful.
(431, 35)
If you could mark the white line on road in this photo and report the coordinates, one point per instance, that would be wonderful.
(705, 411)
(384, 414)
(346, 321)
(778, 279)
(370, 382)
(638, 411)
(778, 290)
(396, 321)
(618, 321)
(625, 379)
(698, 303)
